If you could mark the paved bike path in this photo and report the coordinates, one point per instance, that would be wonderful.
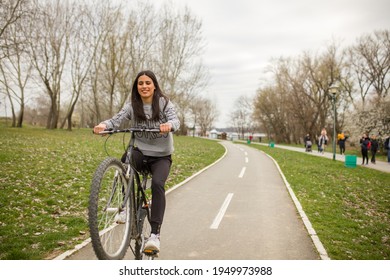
(256, 217)
(239, 208)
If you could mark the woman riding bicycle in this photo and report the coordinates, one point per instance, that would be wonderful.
(150, 108)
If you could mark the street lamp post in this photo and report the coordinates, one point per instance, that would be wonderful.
(333, 90)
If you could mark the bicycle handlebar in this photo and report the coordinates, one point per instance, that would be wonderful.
(134, 129)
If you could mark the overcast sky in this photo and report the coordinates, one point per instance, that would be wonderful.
(243, 35)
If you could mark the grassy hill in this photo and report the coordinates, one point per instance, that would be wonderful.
(45, 179)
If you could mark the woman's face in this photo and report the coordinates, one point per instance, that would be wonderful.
(146, 88)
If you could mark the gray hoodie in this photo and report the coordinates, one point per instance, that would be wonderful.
(151, 144)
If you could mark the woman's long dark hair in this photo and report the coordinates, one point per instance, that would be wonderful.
(136, 101)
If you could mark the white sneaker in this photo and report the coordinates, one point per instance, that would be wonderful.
(153, 244)
(120, 217)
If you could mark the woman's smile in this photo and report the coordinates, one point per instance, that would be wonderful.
(146, 88)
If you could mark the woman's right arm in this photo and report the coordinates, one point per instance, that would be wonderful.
(115, 121)
(99, 128)
(124, 114)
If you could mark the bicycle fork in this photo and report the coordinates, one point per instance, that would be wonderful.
(107, 208)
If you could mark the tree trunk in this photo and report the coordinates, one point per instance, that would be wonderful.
(21, 115)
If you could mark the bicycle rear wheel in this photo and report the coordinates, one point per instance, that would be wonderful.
(110, 233)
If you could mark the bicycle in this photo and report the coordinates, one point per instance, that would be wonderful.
(118, 191)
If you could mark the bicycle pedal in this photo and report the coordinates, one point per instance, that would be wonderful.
(153, 253)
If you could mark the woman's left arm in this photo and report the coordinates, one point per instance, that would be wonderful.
(171, 116)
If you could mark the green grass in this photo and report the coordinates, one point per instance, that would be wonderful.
(348, 207)
(45, 177)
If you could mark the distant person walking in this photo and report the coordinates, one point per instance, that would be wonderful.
(387, 147)
(342, 138)
(374, 148)
(322, 141)
(365, 145)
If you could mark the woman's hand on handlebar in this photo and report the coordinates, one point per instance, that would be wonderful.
(99, 128)
(165, 127)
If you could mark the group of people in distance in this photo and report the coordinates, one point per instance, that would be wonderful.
(366, 143)
(321, 142)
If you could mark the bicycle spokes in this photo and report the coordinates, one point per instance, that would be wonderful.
(109, 213)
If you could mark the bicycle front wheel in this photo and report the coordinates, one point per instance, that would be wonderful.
(109, 219)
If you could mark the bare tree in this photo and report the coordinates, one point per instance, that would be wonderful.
(139, 39)
(10, 12)
(369, 67)
(127, 52)
(207, 116)
(14, 65)
(203, 113)
(8, 93)
(82, 50)
(103, 18)
(16, 71)
(112, 65)
(13, 70)
(241, 116)
(168, 43)
(49, 45)
(126, 47)
(301, 103)
(62, 37)
(269, 109)
(179, 47)
(369, 60)
(322, 71)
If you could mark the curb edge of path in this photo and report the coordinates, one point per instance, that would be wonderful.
(313, 235)
(78, 247)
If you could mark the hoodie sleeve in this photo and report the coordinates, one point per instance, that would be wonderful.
(170, 113)
(124, 114)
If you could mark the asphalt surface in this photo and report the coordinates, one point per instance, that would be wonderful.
(239, 208)
(256, 217)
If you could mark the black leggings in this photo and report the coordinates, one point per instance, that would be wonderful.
(159, 168)
(342, 147)
(365, 155)
(373, 153)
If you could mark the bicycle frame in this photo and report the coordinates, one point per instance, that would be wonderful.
(133, 180)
